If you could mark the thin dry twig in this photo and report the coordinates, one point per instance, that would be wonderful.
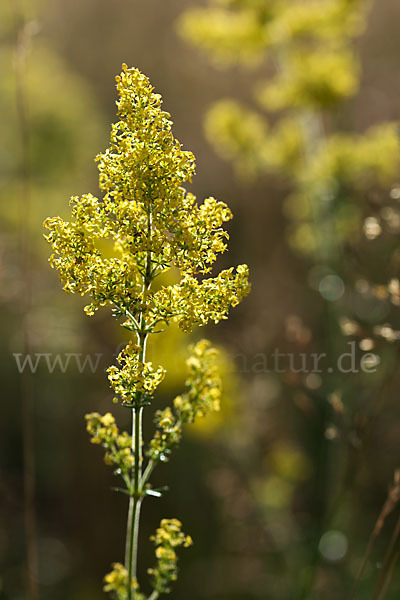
(390, 504)
(387, 561)
(389, 577)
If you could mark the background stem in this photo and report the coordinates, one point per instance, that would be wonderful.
(23, 40)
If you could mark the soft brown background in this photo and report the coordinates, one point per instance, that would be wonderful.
(221, 481)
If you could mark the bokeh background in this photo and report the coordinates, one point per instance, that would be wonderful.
(282, 490)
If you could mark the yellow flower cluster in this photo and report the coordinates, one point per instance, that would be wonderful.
(246, 31)
(310, 46)
(243, 137)
(167, 538)
(116, 582)
(314, 79)
(238, 134)
(146, 223)
(192, 302)
(204, 388)
(144, 162)
(358, 161)
(229, 36)
(135, 381)
(79, 261)
(324, 20)
(314, 68)
(118, 445)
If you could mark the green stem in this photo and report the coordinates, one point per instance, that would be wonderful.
(137, 441)
(128, 536)
(136, 536)
(136, 491)
(148, 471)
(24, 33)
(135, 500)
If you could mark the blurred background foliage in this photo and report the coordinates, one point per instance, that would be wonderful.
(299, 100)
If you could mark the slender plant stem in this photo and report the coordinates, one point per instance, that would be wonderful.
(23, 40)
(138, 447)
(128, 529)
(136, 536)
(390, 504)
(361, 570)
(389, 577)
(136, 492)
(133, 539)
(154, 595)
(148, 471)
(135, 500)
